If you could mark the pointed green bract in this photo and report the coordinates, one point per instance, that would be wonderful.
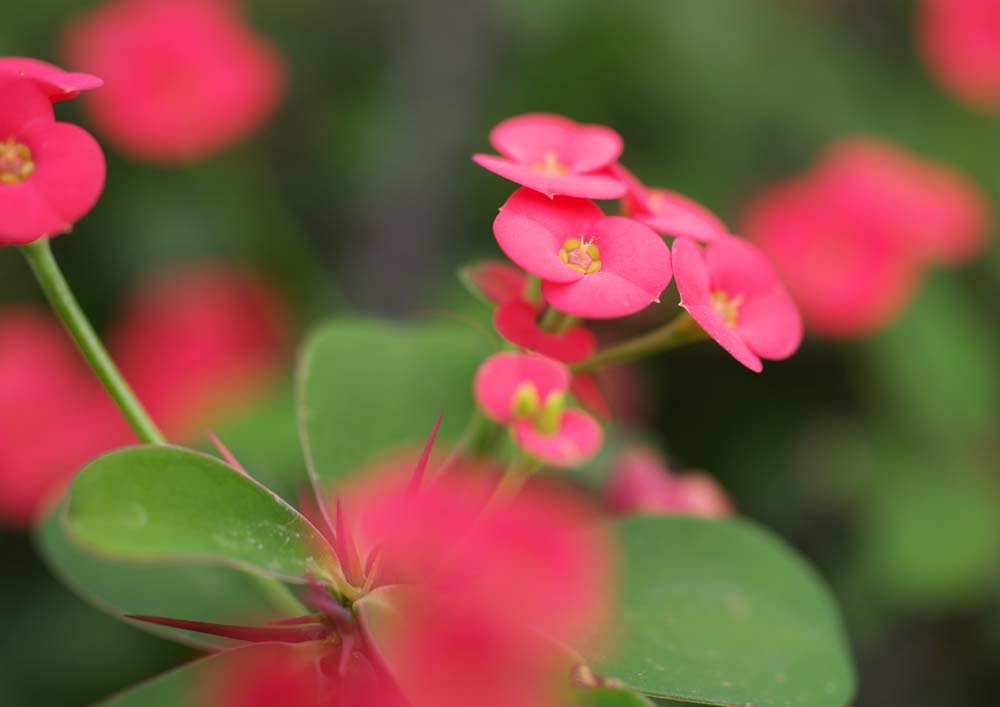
(722, 612)
(367, 387)
(156, 504)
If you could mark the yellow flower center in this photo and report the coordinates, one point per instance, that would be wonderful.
(581, 255)
(15, 162)
(727, 307)
(546, 415)
(551, 165)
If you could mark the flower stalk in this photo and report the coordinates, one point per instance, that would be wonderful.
(60, 296)
(679, 331)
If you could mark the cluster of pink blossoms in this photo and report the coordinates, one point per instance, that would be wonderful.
(852, 237)
(579, 263)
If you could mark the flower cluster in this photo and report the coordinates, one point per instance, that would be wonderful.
(852, 236)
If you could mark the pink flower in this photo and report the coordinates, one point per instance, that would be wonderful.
(461, 632)
(51, 174)
(528, 393)
(555, 156)
(185, 78)
(735, 295)
(641, 483)
(960, 40)
(851, 237)
(591, 265)
(198, 341)
(57, 84)
(668, 212)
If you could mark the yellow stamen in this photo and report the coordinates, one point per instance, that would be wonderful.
(551, 165)
(727, 307)
(581, 255)
(16, 164)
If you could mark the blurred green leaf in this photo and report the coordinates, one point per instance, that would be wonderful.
(368, 386)
(196, 592)
(934, 540)
(171, 504)
(608, 697)
(723, 612)
(937, 366)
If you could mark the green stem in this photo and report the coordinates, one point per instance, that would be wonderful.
(60, 296)
(556, 322)
(677, 332)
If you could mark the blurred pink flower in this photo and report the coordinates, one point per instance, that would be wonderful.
(734, 294)
(851, 237)
(591, 265)
(528, 393)
(57, 84)
(51, 174)
(960, 40)
(199, 340)
(668, 212)
(265, 675)
(462, 632)
(556, 156)
(184, 78)
(193, 344)
(640, 482)
(517, 322)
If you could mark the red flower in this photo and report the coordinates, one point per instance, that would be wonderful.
(555, 156)
(851, 237)
(51, 174)
(185, 78)
(961, 44)
(731, 290)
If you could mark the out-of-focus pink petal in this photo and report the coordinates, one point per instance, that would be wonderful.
(499, 377)
(497, 281)
(674, 214)
(577, 440)
(588, 393)
(582, 148)
(517, 322)
(960, 40)
(196, 78)
(57, 84)
(640, 482)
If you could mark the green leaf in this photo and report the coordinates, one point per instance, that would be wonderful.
(368, 386)
(197, 592)
(722, 612)
(194, 683)
(608, 697)
(171, 504)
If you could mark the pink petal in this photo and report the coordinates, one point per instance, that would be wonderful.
(500, 375)
(517, 322)
(69, 167)
(57, 84)
(583, 148)
(674, 214)
(530, 229)
(26, 216)
(635, 269)
(495, 280)
(583, 186)
(770, 324)
(577, 440)
(737, 267)
(588, 394)
(694, 285)
(23, 103)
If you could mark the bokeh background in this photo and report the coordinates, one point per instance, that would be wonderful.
(879, 457)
